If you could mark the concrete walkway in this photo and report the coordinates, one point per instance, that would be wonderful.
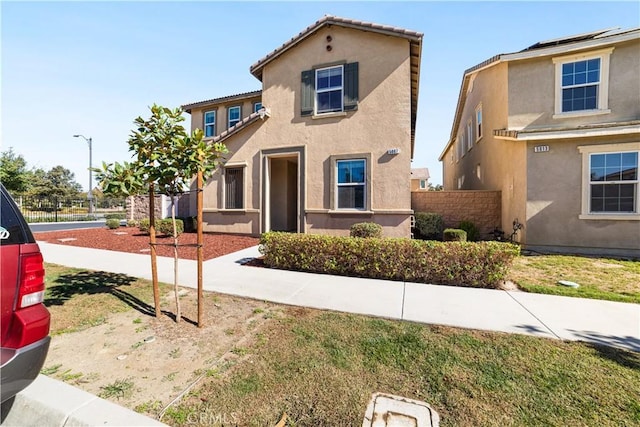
(600, 322)
(593, 321)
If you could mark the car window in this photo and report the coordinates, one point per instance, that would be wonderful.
(11, 231)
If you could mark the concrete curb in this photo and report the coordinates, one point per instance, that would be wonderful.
(48, 402)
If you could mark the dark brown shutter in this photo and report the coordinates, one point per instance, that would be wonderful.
(351, 86)
(307, 92)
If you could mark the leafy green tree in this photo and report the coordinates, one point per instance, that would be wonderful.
(166, 159)
(58, 181)
(13, 172)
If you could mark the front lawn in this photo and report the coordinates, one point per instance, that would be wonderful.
(599, 278)
(320, 368)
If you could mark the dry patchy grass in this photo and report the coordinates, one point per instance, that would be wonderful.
(599, 278)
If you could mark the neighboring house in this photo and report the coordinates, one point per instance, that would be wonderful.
(326, 143)
(556, 128)
(420, 179)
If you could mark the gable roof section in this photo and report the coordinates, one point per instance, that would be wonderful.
(236, 97)
(241, 125)
(540, 49)
(414, 38)
(420, 173)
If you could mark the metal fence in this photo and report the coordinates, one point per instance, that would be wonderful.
(59, 209)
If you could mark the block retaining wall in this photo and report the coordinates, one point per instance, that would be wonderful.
(483, 208)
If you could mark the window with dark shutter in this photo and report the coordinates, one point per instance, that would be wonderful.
(234, 188)
(347, 89)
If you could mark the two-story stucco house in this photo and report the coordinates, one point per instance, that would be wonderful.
(556, 128)
(328, 140)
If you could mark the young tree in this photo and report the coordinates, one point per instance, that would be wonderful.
(166, 159)
(13, 172)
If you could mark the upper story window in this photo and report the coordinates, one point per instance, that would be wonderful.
(331, 89)
(233, 114)
(469, 135)
(209, 124)
(582, 83)
(478, 122)
(257, 106)
(423, 184)
(610, 184)
(351, 184)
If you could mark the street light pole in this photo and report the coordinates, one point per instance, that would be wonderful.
(89, 194)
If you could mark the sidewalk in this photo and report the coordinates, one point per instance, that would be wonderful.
(600, 322)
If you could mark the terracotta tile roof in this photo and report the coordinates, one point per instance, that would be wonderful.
(236, 97)
(256, 69)
(420, 173)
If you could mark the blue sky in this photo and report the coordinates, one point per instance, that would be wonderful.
(91, 68)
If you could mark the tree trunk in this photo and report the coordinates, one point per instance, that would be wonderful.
(175, 258)
(152, 240)
(200, 242)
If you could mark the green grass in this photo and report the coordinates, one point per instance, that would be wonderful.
(321, 368)
(599, 278)
(79, 299)
(118, 389)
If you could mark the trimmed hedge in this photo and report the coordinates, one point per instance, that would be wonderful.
(121, 215)
(366, 229)
(429, 226)
(163, 226)
(113, 223)
(454, 235)
(481, 265)
(473, 233)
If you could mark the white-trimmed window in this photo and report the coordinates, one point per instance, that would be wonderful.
(582, 83)
(423, 184)
(329, 89)
(469, 135)
(351, 184)
(478, 122)
(610, 187)
(257, 106)
(209, 124)
(233, 115)
(234, 187)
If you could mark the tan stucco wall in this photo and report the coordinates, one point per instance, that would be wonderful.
(501, 164)
(532, 91)
(382, 121)
(554, 203)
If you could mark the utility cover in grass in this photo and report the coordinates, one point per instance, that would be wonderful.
(568, 283)
(387, 410)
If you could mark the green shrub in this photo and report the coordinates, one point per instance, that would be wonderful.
(366, 229)
(121, 215)
(482, 264)
(132, 223)
(165, 226)
(429, 226)
(113, 223)
(454, 235)
(143, 225)
(473, 233)
(190, 224)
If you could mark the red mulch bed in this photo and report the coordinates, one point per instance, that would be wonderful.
(133, 241)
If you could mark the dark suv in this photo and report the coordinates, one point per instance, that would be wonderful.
(25, 320)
